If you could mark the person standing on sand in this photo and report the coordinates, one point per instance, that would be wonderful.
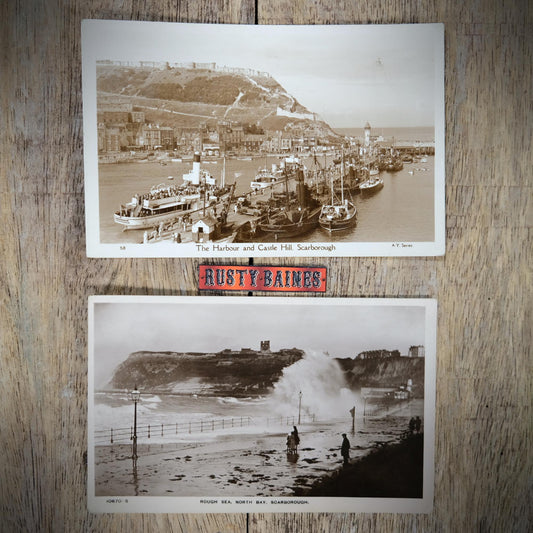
(345, 449)
(296, 436)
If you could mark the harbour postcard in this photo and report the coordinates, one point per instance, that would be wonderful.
(215, 404)
(210, 140)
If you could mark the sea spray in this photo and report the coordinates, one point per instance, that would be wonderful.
(324, 391)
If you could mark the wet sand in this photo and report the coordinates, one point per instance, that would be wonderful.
(248, 464)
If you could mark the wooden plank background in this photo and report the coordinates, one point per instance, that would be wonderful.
(483, 284)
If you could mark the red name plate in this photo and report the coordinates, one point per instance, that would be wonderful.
(262, 278)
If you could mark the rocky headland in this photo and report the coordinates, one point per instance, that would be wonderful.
(242, 372)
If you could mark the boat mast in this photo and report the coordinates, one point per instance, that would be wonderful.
(286, 184)
(316, 167)
(342, 177)
(331, 183)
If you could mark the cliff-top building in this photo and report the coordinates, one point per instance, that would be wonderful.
(417, 351)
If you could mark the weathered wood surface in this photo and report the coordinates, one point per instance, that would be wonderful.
(483, 284)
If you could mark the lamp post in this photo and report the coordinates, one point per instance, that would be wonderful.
(135, 396)
(299, 406)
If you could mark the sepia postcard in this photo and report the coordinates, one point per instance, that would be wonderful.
(216, 404)
(220, 140)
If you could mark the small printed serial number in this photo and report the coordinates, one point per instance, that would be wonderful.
(116, 500)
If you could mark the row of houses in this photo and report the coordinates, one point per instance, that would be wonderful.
(414, 351)
(118, 137)
(121, 128)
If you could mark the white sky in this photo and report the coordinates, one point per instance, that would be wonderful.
(388, 75)
(342, 329)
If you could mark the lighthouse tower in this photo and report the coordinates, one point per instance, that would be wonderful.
(367, 134)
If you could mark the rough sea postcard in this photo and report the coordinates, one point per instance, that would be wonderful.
(241, 404)
(213, 140)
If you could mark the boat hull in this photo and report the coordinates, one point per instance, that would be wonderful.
(258, 185)
(150, 221)
(287, 230)
(371, 189)
(337, 224)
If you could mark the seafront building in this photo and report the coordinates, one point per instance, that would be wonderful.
(123, 128)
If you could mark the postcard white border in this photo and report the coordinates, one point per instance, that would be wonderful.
(168, 504)
(125, 40)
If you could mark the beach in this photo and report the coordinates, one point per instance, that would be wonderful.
(244, 462)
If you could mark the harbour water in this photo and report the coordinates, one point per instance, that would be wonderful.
(403, 210)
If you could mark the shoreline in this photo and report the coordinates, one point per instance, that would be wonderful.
(394, 470)
(252, 463)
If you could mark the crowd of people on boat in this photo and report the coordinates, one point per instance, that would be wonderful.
(159, 193)
(169, 191)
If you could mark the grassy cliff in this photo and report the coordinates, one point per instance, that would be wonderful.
(188, 97)
(388, 372)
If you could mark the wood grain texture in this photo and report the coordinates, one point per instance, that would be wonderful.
(483, 284)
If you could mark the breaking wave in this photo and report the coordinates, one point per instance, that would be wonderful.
(324, 391)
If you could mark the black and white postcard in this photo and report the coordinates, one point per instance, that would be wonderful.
(241, 404)
(209, 140)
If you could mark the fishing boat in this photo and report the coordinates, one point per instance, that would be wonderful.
(290, 223)
(337, 215)
(294, 218)
(164, 203)
(349, 181)
(373, 184)
(265, 178)
(395, 165)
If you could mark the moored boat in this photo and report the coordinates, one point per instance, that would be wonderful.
(373, 184)
(290, 223)
(294, 218)
(164, 203)
(265, 178)
(395, 165)
(159, 205)
(337, 216)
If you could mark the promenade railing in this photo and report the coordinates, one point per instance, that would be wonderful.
(125, 434)
(289, 420)
(122, 435)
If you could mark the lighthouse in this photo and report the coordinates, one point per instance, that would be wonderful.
(367, 134)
